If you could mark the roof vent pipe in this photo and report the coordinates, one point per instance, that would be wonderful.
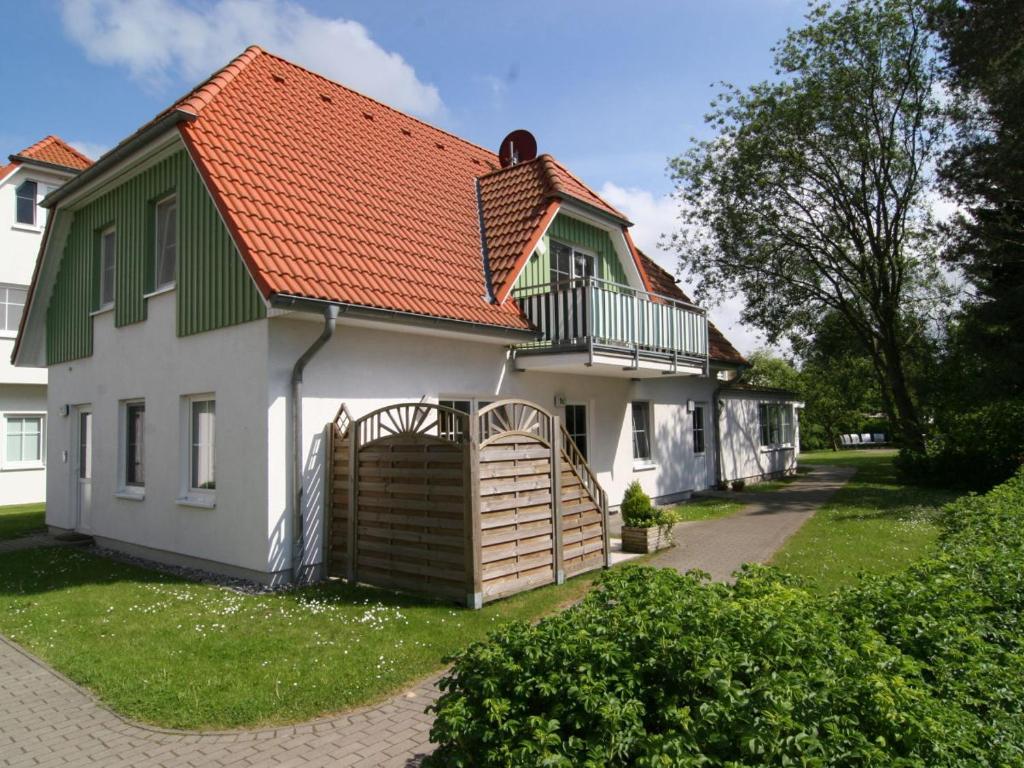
(298, 521)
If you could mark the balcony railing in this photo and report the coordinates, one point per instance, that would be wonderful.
(596, 315)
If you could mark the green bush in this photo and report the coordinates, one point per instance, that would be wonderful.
(637, 509)
(971, 449)
(653, 668)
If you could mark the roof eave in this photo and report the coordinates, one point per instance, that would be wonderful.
(26, 160)
(305, 304)
(125, 149)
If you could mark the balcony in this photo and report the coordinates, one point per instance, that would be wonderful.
(589, 325)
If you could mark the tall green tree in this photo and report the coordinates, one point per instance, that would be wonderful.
(770, 370)
(809, 198)
(983, 43)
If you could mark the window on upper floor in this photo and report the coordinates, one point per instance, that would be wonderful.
(166, 245)
(26, 194)
(12, 304)
(108, 266)
(569, 263)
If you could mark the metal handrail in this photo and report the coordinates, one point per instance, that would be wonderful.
(579, 282)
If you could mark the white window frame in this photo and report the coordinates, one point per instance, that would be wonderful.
(588, 432)
(641, 463)
(702, 407)
(35, 225)
(768, 409)
(573, 251)
(4, 304)
(105, 305)
(125, 490)
(159, 287)
(195, 497)
(9, 464)
(475, 403)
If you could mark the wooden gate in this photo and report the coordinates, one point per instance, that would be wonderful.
(427, 499)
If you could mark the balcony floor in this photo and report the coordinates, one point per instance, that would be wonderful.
(604, 364)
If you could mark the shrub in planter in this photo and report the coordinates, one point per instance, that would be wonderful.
(645, 528)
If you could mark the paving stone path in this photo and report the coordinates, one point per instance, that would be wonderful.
(757, 531)
(46, 720)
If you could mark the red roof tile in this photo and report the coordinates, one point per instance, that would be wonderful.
(719, 347)
(55, 151)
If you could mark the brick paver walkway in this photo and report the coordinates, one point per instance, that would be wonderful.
(46, 720)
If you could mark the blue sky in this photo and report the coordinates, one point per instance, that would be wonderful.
(610, 88)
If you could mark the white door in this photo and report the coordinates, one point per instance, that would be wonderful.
(698, 436)
(83, 469)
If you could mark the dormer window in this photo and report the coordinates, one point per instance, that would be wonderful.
(26, 194)
(568, 263)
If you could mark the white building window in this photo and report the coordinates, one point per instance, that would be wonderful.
(108, 266)
(12, 304)
(26, 194)
(134, 444)
(641, 411)
(202, 444)
(775, 421)
(568, 263)
(166, 246)
(699, 445)
(576, 426)
(23, 441)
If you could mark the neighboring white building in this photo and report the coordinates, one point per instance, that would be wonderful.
(24, 182)
(274, 246)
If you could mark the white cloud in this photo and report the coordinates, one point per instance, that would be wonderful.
(653, 218)
(163, 40)
(90, 149)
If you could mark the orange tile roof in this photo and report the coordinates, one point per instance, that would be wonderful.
(55, 151)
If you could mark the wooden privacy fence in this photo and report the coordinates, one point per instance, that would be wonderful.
(429, 499)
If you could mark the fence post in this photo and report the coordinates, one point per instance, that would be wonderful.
(473, 532)
(353, 501)
(556, 499)
(327, 524)
(604, 529)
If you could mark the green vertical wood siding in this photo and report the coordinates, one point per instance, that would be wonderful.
(214, 289)
(574, 232)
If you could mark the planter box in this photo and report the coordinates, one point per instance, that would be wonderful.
(644, 540)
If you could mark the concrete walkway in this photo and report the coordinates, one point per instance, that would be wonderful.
(46, 720)
(756, 532)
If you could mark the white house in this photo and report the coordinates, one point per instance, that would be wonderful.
(275, 245)
(24, 182)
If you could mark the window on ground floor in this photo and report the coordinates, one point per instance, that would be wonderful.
(133, 446)
(23, 441)
(576, 426)
(641, 431)
(775, 421)
(698, 429)
(202, 444)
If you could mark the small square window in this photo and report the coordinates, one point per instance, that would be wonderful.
(12, 304)
(23, 441)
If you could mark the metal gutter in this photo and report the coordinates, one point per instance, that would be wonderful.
(23, 160)
(121, 152)
(485, 252)
(359, 311)
(298, 521)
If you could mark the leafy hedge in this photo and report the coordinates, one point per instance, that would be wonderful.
(653, 668)
(974, 448)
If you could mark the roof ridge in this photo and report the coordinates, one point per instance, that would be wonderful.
(205, 92)
(586, 186)
(388, 107)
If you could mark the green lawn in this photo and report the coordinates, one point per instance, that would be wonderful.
(874, 524)
(704, 509)
(185, 655)
(20, 519)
